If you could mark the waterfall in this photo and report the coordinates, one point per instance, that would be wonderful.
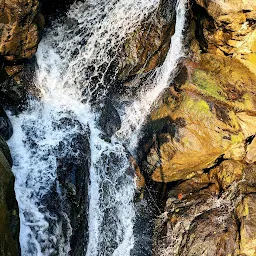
(74, 60)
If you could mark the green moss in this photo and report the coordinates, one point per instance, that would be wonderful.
(208, 85)
(198, 105)
(237, 139)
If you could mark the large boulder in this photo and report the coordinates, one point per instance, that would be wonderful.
(207, 117)
(20, 22)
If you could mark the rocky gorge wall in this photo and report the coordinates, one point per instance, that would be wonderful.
(200, 142)
(21, 27)
(199, 148)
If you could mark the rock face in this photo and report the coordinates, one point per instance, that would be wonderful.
(20, 27)
(227, 28)
(200, 138)
(73, 177)
(207, 117)
(147, 47)
(5, 125)
(210, 214)
(9, 224)
(20, 22)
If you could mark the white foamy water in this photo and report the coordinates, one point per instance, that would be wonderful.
(74, 62)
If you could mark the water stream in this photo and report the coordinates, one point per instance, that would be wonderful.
(74, 71)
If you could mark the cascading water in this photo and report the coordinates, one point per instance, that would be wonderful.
(74, 68)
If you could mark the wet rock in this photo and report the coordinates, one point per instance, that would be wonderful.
(138, 178)
(109, 120)
(148, 45)
(73, 176)
(198, 223)
(54, 9)
(9, 224)
(5, 125)
(247, 215)
(212, 213)
(17, 84)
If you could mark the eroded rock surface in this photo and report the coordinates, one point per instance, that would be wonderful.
(211, 214)
(200, 139)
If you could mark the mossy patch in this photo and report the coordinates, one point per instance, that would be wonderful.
(198, 106)
(237, 139)
(207, 85)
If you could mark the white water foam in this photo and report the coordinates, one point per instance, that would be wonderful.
(68, 58)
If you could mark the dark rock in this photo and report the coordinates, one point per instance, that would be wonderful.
(52, 9)
(73, 176)
(67, 200)
(146, 48)
(5, 125)
(9, 213)
(109, 120)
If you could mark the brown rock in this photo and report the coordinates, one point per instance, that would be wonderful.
(227, 173)
(198, 224)
(139, 178)
(247, 215)
(19, 25)
(251, 152)
(226, 27)
(147, 46)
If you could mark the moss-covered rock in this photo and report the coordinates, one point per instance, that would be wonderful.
(210, 115)
(201, 137)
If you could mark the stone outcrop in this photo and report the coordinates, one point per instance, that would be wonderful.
(21, 28)
(9, 224)
(227, 28)
(211, 214)
(200, 138)
(211, 115)
(20, 25)
(147, 47)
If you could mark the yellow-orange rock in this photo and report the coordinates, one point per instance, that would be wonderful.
(251, 152)
(210, 116)
(247, 215)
